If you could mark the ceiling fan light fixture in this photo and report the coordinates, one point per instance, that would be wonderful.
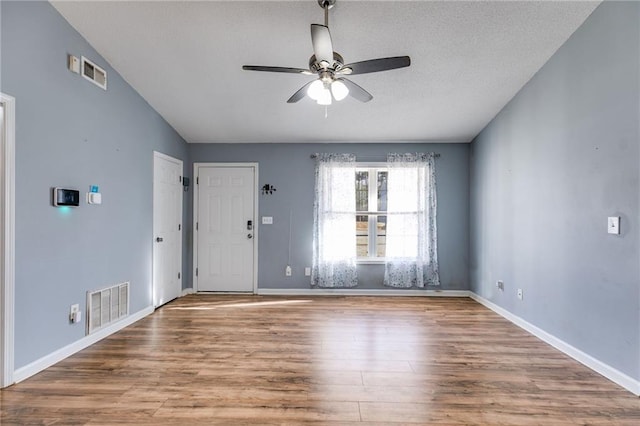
(315, 90)
(325, 97)
(339, 90)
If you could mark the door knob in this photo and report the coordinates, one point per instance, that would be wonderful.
(159, 239)
(249, 236)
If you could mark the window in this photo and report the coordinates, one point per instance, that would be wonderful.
(376, 212)
(371, 212)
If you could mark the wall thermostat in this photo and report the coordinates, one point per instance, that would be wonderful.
(66, 197)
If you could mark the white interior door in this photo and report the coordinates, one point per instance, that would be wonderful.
(225, 227)
(167, 228)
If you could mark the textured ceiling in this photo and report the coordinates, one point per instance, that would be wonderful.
(468, 60)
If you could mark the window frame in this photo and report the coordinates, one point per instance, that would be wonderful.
(375, 168)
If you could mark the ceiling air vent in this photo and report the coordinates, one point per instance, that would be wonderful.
(93, 73)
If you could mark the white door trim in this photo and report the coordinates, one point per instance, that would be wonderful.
(196, 167)
(166, 157)
(7, 220)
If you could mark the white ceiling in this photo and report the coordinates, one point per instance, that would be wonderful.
(185, 57)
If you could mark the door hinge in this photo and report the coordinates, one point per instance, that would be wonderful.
(196, 272)
(198, 180)
(178, 275)
(197, 226)
(179, 227)
(179, 178)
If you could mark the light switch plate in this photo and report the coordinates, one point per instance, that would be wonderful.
(613, 225)
(267, 220)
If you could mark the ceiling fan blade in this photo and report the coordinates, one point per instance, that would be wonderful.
(322, 45)
(301, 93)
(376, 65)
(277, 69)
(356, 91)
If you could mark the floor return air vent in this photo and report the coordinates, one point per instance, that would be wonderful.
(106, 306)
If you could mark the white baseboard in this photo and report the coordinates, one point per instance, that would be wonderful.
(598, 366)
(186, 291)
(359, 292)
(47, 361)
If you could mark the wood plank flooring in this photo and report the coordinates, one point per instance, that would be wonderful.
(235, 360)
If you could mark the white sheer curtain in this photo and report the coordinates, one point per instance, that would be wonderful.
(334, 222)
(411, 246)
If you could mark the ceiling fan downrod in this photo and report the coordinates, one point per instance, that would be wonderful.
(326, 5)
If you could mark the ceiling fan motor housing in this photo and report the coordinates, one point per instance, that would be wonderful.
(318, 66)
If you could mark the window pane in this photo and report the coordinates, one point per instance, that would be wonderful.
(382, 192)
(362, 235)
(403, 238)
(362, 191)
(381, 231)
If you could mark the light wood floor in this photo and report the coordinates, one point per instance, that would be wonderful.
(237, 360)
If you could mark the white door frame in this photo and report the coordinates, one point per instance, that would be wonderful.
(7, 263)
(196, 167)
(157, 154)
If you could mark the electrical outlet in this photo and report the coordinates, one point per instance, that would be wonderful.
(500, 285)
(307, 271)
(75, 316)
(520, 295)
(287, 271)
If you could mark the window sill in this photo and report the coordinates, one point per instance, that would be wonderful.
(373, 261)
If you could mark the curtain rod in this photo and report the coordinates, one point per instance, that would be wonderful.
(436, 155)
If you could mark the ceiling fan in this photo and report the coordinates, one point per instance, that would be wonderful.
(331, 69)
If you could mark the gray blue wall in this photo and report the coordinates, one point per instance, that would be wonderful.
(291, 170)
(71, 133)
(559, 159)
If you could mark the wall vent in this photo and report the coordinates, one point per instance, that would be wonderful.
(93, 73)
(106, 306)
